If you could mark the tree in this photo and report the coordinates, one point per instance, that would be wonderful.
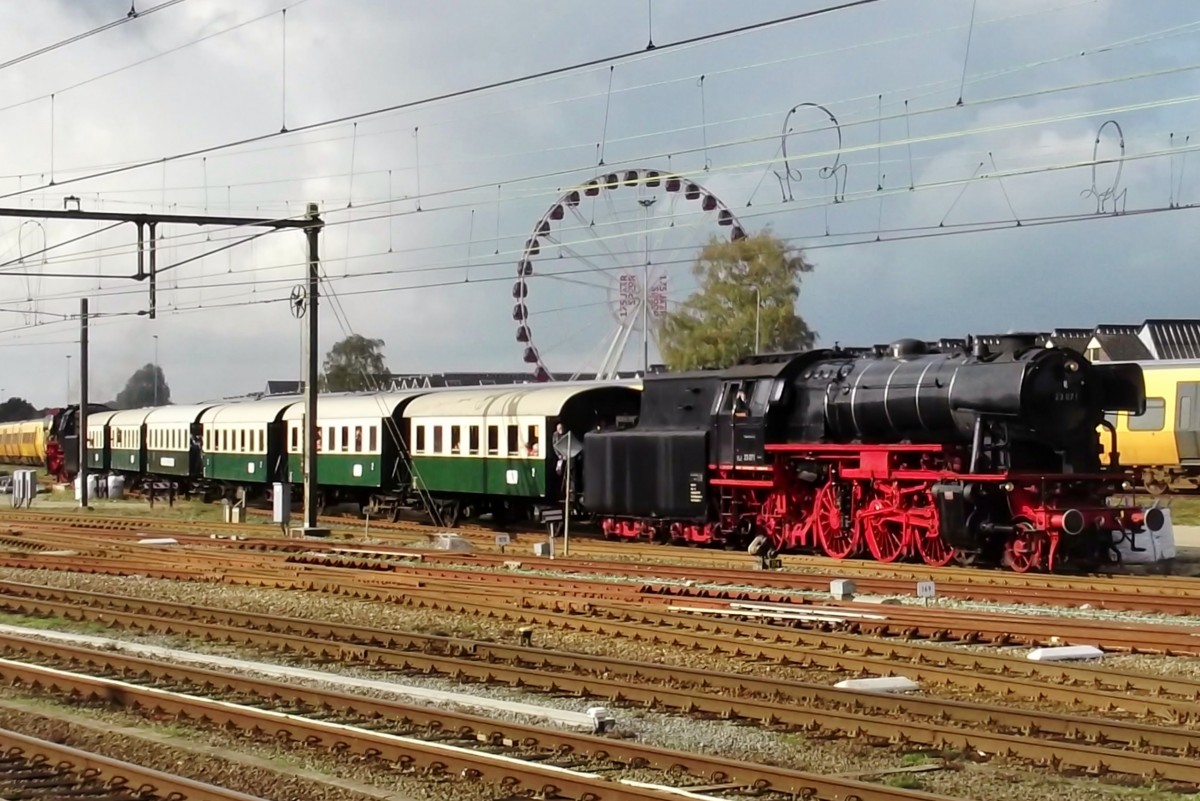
(353, 364)
(15, 409)
(715, 326)
(139, 390)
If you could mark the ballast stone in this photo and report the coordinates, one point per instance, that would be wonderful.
(884, 684)
(1065, 652)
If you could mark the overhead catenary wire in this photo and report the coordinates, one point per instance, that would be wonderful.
(906, 141)
(534, 77)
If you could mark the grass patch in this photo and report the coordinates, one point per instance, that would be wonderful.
(914, 758)
(53, 623)
(903, 782)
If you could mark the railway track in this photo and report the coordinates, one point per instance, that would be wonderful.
(33, 768)
(1067, 741)
(887, 621)
(1175, 700)
(550, 762)
(1162, 594)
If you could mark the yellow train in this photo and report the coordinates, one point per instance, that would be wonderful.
(23, 442)
(1164, 443)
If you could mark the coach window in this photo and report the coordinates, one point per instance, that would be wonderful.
(514, 441)
(531, 440)
(1153, 420)
(345, 438)
(455, 439)
(473, 441)
(420, 439)
(437, 439)
(373, 431)
(493, 440)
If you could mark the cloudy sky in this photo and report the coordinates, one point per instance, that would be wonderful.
(908, 206)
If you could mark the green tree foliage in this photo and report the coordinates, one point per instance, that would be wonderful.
(139, 389)
(715, 326)
(15, 409)
(354, 364)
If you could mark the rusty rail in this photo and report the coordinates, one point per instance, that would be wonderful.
(1070, 742)
(440, 759)
(29, 767)
(1002, 675)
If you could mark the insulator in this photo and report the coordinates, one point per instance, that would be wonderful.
(541, 375)
(693, 192)
(556, 213)
(652, 178)
(573, 198)
(525, 268)
(520, 290)
(523, 334)
(532, 247)
(725, 217)
(737, 234)
(544, 228)
(520, 313)
(531, 355)
(631, 178)
(673, 184)
(591, 188)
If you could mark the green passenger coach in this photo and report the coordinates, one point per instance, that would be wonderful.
(243, 442)
(358, 448)
(126, 441)
(99, 455)
(173, 439)
(490, 449)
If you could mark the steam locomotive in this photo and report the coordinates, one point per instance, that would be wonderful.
(980, 451)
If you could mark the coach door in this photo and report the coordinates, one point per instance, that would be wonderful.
(1187, 421)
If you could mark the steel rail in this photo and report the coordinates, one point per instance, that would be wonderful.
(1069, 752)
(956, 579)
(1005, 676)
(787, 645)
(433, 758)
(53, 764)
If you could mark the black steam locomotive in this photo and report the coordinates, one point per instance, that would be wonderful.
(967, 451)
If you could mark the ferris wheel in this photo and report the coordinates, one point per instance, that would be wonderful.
(613, 252)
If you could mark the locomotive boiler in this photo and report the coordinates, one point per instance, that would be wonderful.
(981, 451)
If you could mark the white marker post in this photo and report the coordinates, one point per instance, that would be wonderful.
(567, 503)
(926, 590)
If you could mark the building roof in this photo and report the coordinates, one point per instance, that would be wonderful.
(1173, 339)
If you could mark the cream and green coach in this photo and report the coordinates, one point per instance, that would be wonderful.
(174, 440)
(242, 443)
(360, 457)
(490, 449)
(98, 444)
(126, 441)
